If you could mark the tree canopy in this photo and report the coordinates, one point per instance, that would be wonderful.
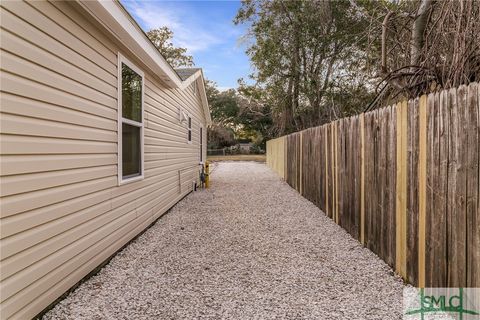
(304, 53)
(316, 61)
(175, 56)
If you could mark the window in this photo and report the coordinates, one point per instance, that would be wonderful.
(130, 121)
(189, 129)
(201, 144)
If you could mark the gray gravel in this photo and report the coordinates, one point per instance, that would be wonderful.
(248, 248)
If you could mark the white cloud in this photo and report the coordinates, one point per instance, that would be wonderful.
(186, 32)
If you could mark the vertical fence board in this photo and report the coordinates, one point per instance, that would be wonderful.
(391, 183)
(339, 171)
(357, 161)
(472, 208)
(327, 165)
(441, 205)
(362, 178)
(401, 188)
(321, 168)
(331, 171)
(335, 153)
(457, 246)
(422, 187)
(429, 257)
(457, 229)
(412, 187)
(382, 207)
(435, 214)
(378, 217)
(370, 184)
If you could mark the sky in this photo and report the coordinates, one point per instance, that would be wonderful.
(206, 29)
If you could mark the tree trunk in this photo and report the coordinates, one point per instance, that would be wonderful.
(418, 31)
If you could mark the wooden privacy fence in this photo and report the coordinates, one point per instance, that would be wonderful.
(403, 180)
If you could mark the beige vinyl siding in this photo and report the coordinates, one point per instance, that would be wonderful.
(62, 211)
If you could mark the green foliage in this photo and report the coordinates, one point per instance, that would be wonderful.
(304, 54)
(240, 111)
(220, 137)
(162, 39)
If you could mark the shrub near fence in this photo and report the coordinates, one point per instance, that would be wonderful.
(403, 180)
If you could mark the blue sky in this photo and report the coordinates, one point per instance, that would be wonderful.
(206, 29)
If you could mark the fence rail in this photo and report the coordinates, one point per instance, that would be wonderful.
(403, 180)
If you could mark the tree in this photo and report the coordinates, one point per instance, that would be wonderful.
(219, 136)
(240, 111)
(175, 56)
(303, 53)
(426, 45)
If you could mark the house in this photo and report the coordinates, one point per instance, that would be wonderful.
(100, 137)
(244, 145)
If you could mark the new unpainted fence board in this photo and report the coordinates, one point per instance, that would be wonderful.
(422, 187)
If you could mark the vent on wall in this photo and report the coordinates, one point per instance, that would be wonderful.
(182, 116)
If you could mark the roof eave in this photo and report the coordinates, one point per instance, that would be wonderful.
(118, 22)
(203, 94)
(114, 18)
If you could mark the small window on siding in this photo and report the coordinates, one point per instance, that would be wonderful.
(130, 121)
(189, 129)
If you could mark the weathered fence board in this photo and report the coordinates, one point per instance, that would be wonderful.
(473, 181)
(403, 180)
(412, 187)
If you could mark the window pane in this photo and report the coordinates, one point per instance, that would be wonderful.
(131, 94)
(131, 152)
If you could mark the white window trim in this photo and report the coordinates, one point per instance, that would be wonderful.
(121, 120)
(190, 129)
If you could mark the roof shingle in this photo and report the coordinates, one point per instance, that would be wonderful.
(185, 73)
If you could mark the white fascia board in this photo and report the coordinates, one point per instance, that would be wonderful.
(198, 76)
(112, 16)
(203, 96)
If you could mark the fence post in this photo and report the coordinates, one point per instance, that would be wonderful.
(422, 186)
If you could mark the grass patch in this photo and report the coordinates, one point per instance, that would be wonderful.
(239, 157)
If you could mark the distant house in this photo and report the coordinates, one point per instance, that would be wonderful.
(100, 137)
(244, 145)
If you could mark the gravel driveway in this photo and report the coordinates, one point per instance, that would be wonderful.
(248, 248)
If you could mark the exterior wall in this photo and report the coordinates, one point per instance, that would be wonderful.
(62, 211)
